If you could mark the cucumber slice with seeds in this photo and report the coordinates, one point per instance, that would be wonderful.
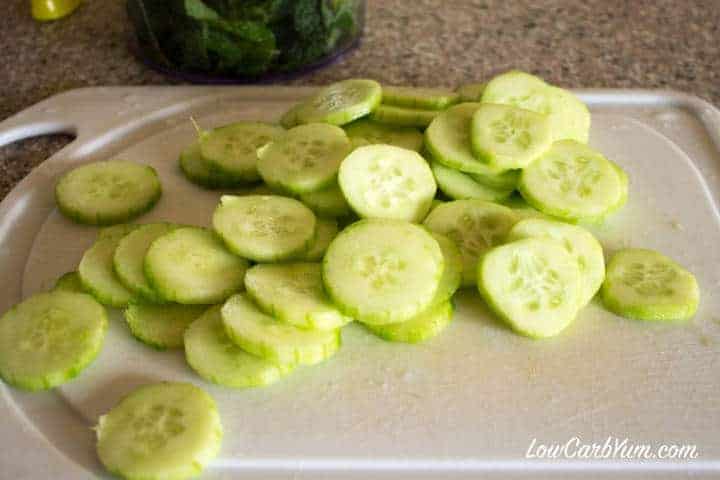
(471, 92)
(326, 231)
(166, 430)
(460, 186)
(199, 171)
(382, 181)
(403, 116)
(415, 97)
(265, 228)
(50, 338)
(69, 282)
(98, 275)
(647, 285)
(104, 193)
(161, 326)
(328, 202)
(365, 132)
(418, 329)
(453, 268)
(341, 102)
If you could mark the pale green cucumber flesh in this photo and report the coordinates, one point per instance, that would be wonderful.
(366, 132)
(417, 97)
(341, 102)
(326, 231)
(461, 186)
(328, 202)
(418, 329)
(161, 326)
(69, 282)
(403, 116)
(453, 272)
(199, 171)
(98, 277)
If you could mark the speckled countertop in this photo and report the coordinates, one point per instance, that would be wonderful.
(592, 43)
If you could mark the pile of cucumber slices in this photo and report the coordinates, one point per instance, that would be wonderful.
(365, 203)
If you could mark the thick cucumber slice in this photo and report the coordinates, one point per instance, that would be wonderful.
(383, 271)
(453, 271)
(273, 340)
(103, 193)
(472, 92)
(418, 329)
(325, 232)
(129, 258)
(264, 228)
(161, 326)
(232, 149)
(573, 182)
(578, 242)
(211, 353)
(69, 282)
(289, 119)
(191, 266)
(460, 186)
(532, 284)
(365, 132)
(199, 171)
(647, 285)
(164, 431)
(382, 181)
(414, 97)
(304, 159)
(474, 226)
(509, 137)
(50, 338)
(294, 293)
(342, 102)
(328, 202)
(97, 274)
(403, 116)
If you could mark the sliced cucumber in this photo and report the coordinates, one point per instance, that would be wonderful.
(289, 119)
(69, 282)
(98, 275)
(328, 202)
(104, 193)
(304, 159)
(365, 132)
(161, 326)
(573, 182)
(199, 171)
(191, 266)
(471, 92)
(382, 181)
(211, 353)
(403, 116)
(418, 329)
(460, 186)
(160, 431)
(532, 284)
(265, 228)
(647, 285)
(326, 231)
(383, 271)
(50, 338)
(507, 180)
(474, 226)
(414, 97)
(342, 102)
(453, 268)
(273, 340)
(522, 209)
(116, 232)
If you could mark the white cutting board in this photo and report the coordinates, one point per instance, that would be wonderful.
(465, 404)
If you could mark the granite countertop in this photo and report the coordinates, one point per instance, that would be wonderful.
(594, 43)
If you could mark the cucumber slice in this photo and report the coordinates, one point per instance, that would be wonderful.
(265, 228)
(507, 180)
(532, 284)
(232, 149)
(50, 338)
(199, 171)
(403, 116)
(165, 430)
(289, 119)
(418, 329)
(191, 266)
(460, 186)
(129, 258)
(382, 181)
(98, 275)
(453, 270)
(414, 97)
(474, 226)
(509, 137)
(471, 92)
(268, 338)
(365, 132)
(522, 209)
(116, 232)
(103, 193)
(573, 182)
(383, 271)
(304, 159)
(578, 242)
(293, 293)
(342, 102)
(69, 282)
(211, 353)
(326, 231)
(161, 326)
(328, 202)
(647, 285)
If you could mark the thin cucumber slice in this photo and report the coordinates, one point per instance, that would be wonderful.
(116, 232)
(475, 226)
(647, 285)
(365, 132)
(328, 202)
(573, 182)
(279, 342)
(578, 242)
(294, 293)
(265, 228)
(304, 159)
(415, 97)
(98, 275)
(69, 282)
(509, 137)
(342, 102)
(453, 272)
(471, 92)
(50, 338)
(210, 352)
(161, 326)
(191, 266)
(383, 271)
(403, 116)
(199, 171)
(418, 329)
(532, 284)
(382, 181)
(232, 149)
(129, 258)
(165, 431)
(104, 193)
(326, 231)
(460, 186)
(289, 119)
